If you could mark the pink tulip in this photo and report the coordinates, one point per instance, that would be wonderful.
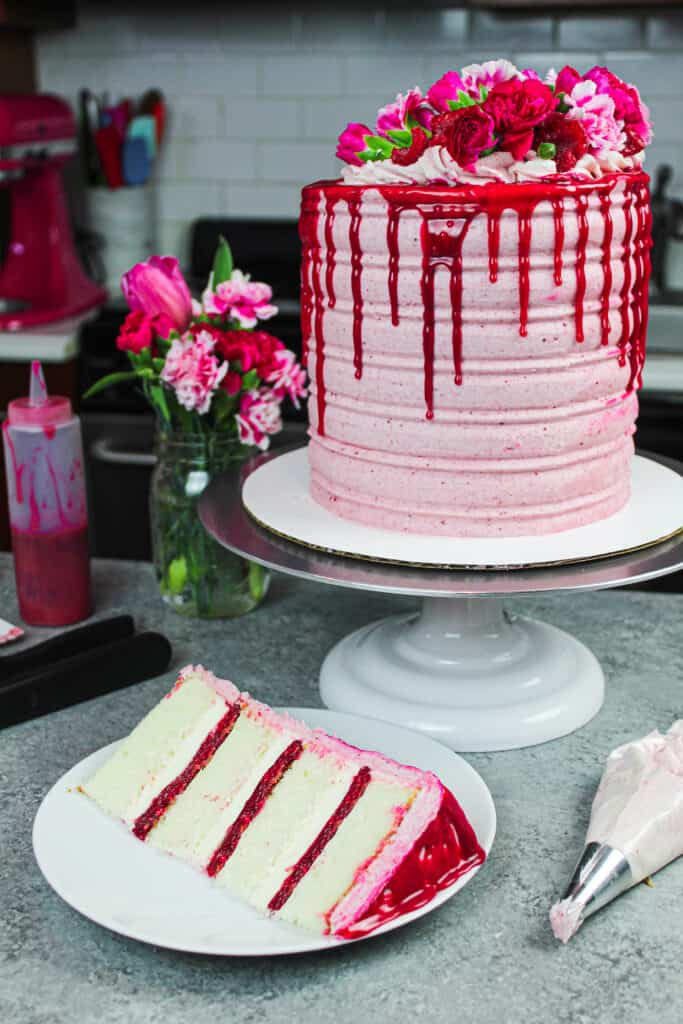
(158, 286)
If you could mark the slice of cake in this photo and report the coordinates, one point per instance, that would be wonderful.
(296, 822)
(474, 305)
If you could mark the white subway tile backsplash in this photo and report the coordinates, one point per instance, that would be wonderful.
(665, 31)
(264, 199)
(503, 32)
(259, 118)
(310, 75)
(297, 161)
(174, 239)
(589, 32)
(257, 97)
(215, 160)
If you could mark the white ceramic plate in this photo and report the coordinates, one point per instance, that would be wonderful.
(277, 496)
(102, 871)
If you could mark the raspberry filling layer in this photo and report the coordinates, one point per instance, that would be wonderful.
(446, 850)
(158, 807)
(353, 794)
(253, 805)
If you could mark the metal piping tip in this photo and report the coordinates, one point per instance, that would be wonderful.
(601, 875)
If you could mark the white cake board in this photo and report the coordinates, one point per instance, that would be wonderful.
(460, 669)
(277, 496)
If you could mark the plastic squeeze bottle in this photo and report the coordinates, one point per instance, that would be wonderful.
(47, 506)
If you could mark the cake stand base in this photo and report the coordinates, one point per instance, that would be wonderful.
(467, 673)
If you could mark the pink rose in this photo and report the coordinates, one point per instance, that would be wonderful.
(395, 116)
(158, 286)
(486, 75)
(287, 377)
(239, 299)
(595, 111)
(352, 142)
(138, 331)
(193, 371)
(516, 107)
(446, 89)
(258, 418)
(465, 133)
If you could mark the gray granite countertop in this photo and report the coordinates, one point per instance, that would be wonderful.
(486, 956)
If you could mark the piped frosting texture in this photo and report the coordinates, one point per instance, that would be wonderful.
(475, 350)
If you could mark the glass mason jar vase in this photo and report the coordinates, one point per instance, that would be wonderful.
(197, 577)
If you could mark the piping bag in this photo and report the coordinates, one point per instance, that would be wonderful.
(636, 827)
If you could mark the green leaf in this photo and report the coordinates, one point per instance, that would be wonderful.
(158, 363)
(250, 380)
(377, 145)
(108, 381)
(401, 136)
(483, 93)
(257, 581)
(176, 575)
(367, 156)
(463, 100)
(158, 397)
(547, 151)
(222, 262)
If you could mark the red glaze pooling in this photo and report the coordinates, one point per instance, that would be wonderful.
(356, 291)
(493, 231)
(330, 252)
(158, 807)
(454, 204)
(524, 214)
(253, 806)
(446, 850)
(581, 244)
(393, 214)
(558, 218)
(355, 791)
(606, 260)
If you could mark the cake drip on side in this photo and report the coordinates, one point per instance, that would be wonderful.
(443, 248)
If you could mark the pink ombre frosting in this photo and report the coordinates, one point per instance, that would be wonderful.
(537, 436)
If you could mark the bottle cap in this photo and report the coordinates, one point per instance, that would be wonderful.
(39, 409)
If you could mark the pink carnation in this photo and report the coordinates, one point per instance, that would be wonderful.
(516, 107)
(193, 371)
(395, 116)
(595, 111)
(352, 142)
(287, 377)
(446, 89)
(566, 78)
(628, 106)
(239, 299)
(488, 74)
(259, 417)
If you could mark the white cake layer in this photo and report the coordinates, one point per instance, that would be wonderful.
(196, 823)
(292, 818)
(157, 750)
(359, 838)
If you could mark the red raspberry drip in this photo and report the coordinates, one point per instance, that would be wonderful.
(446, 850)
(253, 806)
(355, 791)
(161, 803)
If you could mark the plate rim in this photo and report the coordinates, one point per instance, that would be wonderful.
(316, 943)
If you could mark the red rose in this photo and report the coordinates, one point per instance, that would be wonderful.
(403, 156)
(138, 331)
(465, 133)
(567, 136)
(516, 107)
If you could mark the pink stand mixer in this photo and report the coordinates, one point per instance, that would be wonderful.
(41, 279)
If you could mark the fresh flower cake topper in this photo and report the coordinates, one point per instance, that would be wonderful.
(492, 120)
(205, 365)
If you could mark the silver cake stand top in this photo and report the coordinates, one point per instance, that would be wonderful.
(224, 516)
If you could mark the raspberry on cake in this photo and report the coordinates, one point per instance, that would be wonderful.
(296, 822)
(474, 305)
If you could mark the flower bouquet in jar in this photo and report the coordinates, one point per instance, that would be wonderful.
(216, 382)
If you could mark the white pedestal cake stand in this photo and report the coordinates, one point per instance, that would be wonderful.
(459, 669)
